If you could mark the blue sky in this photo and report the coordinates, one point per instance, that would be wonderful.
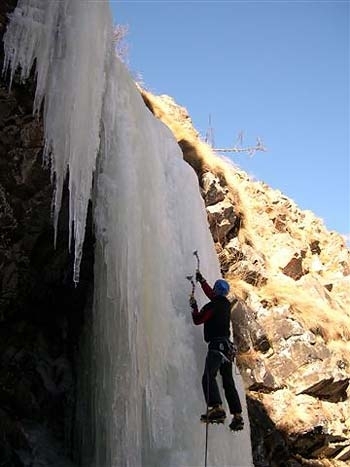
(278, 70)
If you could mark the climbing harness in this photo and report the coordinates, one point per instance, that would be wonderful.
(224, 347)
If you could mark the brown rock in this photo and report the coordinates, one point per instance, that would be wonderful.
(222, 219)
(294, 268)
(330, 388)
(303, 353)
(344, 454)
(247, 332)
(315, 247)
(213, 192)
(286, 328)
(258, 377)
(281, 367)
(280, 223)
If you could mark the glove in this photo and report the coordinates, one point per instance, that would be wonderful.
(199, 277)
(193, 302)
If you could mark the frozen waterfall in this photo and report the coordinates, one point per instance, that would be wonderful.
(143, 388)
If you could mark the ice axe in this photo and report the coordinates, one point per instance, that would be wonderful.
(197, 257)
(190, 278)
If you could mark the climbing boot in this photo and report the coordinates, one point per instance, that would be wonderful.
(213, 414)
(237, 423)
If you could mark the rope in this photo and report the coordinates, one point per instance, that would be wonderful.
(207, 424)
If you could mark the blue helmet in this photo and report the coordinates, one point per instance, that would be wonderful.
(221, 287)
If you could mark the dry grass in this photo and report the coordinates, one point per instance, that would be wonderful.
(238, 286)
(340, 351)
(321, 462)
(319, 316)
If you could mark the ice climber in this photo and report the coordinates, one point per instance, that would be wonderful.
(215, 316)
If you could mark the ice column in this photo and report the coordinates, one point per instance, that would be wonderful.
(150, 218)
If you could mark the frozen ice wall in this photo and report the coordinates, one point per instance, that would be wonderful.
(140, 392)
(69, 41)
(150, 218)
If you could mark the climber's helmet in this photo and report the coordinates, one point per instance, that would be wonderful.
(221, 288)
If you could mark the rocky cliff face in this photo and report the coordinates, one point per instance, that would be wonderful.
(290, 279)
(291, 306)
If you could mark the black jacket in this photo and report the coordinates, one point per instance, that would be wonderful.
(215, 315)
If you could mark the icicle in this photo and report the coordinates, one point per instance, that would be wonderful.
(70, 63)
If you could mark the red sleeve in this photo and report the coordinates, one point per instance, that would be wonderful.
(207, 290)
(200, 317)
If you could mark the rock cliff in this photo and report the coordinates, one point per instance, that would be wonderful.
(290, 279)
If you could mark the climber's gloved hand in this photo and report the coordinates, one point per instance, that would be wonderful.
(193, 302)
(199, 277)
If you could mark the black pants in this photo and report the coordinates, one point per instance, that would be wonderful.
(215, 362)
